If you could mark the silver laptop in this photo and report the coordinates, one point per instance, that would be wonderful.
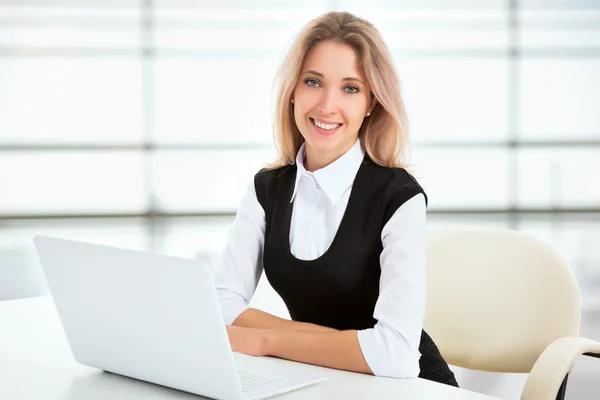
(156, 318)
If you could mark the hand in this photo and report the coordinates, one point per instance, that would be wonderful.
(250, 341)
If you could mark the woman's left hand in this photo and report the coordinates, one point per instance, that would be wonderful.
(250, 341)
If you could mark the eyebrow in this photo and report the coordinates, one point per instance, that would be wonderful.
(310, 71)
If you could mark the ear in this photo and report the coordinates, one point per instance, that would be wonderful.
(372, 105)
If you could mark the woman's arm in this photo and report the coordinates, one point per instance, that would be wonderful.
(339, 349)
(253, 318)
(334, 349)
(391, 347)
(240, 265)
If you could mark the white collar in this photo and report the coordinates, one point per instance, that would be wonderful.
(336, 177)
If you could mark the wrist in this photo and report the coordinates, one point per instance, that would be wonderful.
(270, 337)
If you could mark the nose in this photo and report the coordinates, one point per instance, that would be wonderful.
(328, 103)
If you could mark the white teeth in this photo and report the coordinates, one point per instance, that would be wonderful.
(325, 126)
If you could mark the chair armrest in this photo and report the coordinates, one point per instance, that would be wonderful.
(553, 364)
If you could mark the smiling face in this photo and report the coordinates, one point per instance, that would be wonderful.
(331, 99)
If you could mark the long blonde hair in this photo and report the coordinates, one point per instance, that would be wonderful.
(384, 135)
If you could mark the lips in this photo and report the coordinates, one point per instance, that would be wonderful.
(324, 132)
(324, 122)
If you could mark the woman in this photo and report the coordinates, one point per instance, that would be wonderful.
(337, 223)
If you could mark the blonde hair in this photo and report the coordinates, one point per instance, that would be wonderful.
(384, 135)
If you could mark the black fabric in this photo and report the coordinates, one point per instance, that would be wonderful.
(340, 288)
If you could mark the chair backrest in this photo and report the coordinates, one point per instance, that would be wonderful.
(497, 298)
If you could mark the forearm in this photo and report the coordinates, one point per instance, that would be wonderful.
(339, 349)
(253, 318)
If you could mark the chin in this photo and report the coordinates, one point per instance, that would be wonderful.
(322, 144)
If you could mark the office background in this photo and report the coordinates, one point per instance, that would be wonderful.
(141, 123)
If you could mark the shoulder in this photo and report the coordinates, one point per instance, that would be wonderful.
(267, 176)
(267, 179)
(393, 176)
(395, 182)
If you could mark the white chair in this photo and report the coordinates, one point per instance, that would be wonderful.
(502, 301)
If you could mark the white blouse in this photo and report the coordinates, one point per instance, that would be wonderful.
(391, 347)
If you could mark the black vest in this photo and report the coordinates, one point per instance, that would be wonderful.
(340, 288)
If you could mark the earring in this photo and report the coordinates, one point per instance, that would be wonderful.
(368, 114)
(292, 101)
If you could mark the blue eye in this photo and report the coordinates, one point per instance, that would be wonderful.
(352, 89)
(311, 82)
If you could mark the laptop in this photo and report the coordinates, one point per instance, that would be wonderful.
(156, 318)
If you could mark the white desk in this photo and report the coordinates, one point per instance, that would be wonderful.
(36, 363)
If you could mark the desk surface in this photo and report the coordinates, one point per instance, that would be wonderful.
(36, 363)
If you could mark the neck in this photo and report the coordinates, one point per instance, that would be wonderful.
(315, 160)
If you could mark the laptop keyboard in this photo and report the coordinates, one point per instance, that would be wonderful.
(252, 380)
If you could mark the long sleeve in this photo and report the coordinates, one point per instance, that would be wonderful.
(391, 347)
(240, 266)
